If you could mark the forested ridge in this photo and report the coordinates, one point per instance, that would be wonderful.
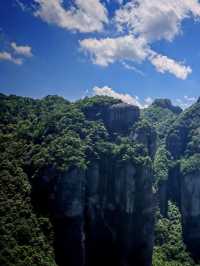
(43, 140)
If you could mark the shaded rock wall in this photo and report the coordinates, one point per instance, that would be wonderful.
(105, 216)
(118, 118)
(190, 209)
(184, 187)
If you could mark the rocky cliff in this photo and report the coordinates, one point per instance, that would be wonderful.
(183, 143)
(104, 215)
(80, 182)
(176, 165)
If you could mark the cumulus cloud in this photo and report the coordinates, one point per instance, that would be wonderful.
(164, 64)
(124, 97)
(22, 50)
(107, 51)
(139, 24)
(156, 20)
(5, 56)
(83, 16)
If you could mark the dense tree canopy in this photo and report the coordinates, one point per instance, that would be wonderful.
(52, 133)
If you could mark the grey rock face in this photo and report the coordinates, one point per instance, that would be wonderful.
(68, 218)
(190, 207)
(120, 117)
(162, 197)
(166, 103)
(184, 186)
(70, 194)
(105, 216)
(147, 137)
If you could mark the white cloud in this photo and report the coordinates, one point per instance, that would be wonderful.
(140, 23)
(186, 102)
(107, 51)
(164, 64)
(5, 56)
(156, 20)
(22, 50)
(124, 97)
(84, 16)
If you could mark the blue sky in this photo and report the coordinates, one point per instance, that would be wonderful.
(65, 48)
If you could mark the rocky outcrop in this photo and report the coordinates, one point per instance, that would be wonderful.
(167, 104)
(120, 117)
(144, 134)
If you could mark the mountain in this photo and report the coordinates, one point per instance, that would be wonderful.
(161, 114)
(98, 182)
(183, 142)
(176, 234)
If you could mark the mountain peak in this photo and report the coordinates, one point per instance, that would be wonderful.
(167, 104)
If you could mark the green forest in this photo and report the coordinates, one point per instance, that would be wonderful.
(50, 137)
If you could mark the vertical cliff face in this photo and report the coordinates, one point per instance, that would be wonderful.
(104, 215)
(119, 216)
(117, 117)
(120, 117)
(161, 115)
(68, 217)
(177, 170)
(190, 207)
(184, 180)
